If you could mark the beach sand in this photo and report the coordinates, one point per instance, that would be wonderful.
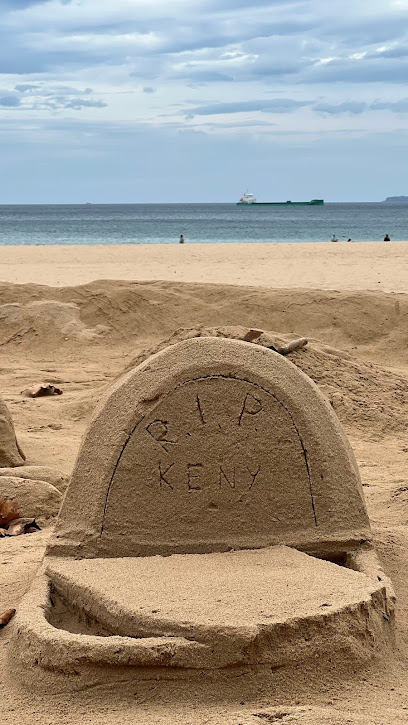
(350, 300)
(355, 266)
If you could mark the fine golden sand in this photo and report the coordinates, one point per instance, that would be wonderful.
(58, 324)
(352, 266)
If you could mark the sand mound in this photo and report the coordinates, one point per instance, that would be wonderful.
(39, 473)
(367, 325)
(82, 406)
(372, 324)
(10, 452)
(370, 327)
(364, 396)
(44, 318)
(36, 499)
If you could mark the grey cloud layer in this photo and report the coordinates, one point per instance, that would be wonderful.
(280, 38)
(229, 88)
(291, 46)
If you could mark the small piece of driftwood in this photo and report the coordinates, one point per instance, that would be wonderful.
(6, 616)
(39, 391)
(252, 335)
(22, 526)
(290, 347)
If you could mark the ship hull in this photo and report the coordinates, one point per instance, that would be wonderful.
(317, 202)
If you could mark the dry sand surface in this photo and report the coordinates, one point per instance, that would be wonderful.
(81, 337)
(359, 266)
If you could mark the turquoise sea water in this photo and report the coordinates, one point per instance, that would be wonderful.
(212, 223)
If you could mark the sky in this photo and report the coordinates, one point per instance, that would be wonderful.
(200, 100)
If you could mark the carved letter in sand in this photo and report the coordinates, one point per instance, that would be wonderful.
(208, 442)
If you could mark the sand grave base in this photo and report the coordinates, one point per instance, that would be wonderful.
(197, 467)
(274, 606)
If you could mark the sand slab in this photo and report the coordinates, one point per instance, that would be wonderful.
(209, 595)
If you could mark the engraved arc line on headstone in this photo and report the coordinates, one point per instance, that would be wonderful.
(202, 379)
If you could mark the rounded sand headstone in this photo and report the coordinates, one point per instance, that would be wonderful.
(197, 467)
(211, 445)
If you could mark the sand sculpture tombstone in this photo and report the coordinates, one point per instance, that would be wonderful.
(210, 479)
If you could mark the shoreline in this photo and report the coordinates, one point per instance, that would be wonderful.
(380, 266)
(175, 243)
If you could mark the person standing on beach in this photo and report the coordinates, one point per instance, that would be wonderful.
(386, 238)
(181, 240)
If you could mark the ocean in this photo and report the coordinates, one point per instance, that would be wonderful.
(199, 223)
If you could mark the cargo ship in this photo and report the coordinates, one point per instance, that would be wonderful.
(250, 199)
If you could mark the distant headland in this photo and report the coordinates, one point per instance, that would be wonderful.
(396, 200)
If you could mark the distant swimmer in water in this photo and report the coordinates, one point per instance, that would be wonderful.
(386, 238)
(181, 240)
(334, 238)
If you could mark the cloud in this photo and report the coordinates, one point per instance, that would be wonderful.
(77, 103)
(316, 68)
(9, 100)
(394, 106)
(204, 77)
(40, 89)
(221, 6)
(275, 105)
(354, 107)
(37, 96)
(397, 51)
(18, 4)
(206, 41)
(358, 107)
(24, 87)
(358, 70)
